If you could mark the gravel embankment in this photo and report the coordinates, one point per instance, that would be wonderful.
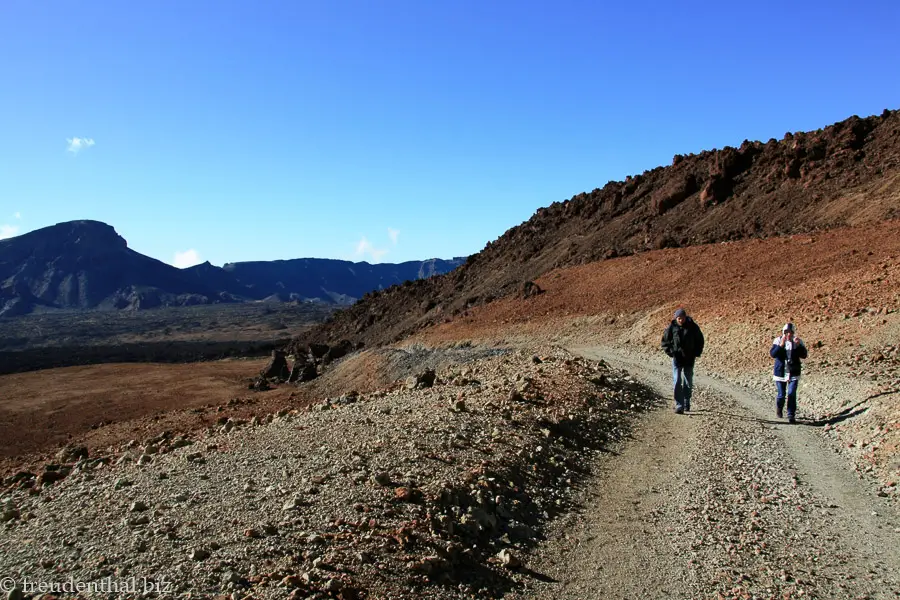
(415, 491)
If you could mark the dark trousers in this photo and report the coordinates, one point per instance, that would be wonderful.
(683, 380)
(787, 389)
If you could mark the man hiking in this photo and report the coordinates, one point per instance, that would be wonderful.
(683, 341)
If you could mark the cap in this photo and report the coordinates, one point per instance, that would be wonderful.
(680, 313)
(788, 327)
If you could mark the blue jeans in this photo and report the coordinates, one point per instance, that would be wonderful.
(683, 379)
(789, 389)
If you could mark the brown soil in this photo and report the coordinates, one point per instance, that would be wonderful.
(105, 406)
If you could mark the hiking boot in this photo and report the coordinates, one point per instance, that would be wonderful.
(679, 410)
(779, 413)
(791, 419)
(687, 407)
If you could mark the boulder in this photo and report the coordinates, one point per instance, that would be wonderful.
(318, 350)
(425, 379)
(277, 367)
(341, 349)
(296, 370)
(716, 190)
(308, 372)
(71, 454)
(260, 384)
(529, 289)
(673, 193)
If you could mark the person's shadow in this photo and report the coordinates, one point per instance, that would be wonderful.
(843, 415)
(709, 412)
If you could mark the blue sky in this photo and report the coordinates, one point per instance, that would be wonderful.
(395, 130)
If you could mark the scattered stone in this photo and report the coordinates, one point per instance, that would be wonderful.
(232, 577)
(292, 504)
(139, 520)
(50, 477)
(406, 494)
(70, 454)
(195, 457)
(199, 554)
(269, 529)
(508, 559)
(9, 515)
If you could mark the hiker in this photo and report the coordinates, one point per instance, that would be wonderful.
(787, 351)
(683, 341)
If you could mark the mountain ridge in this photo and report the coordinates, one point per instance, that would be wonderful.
(87, 265)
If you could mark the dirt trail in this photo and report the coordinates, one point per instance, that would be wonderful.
(613, 549)
(726, 502)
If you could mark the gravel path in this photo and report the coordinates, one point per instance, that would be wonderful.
(615, 546)
(726, 502)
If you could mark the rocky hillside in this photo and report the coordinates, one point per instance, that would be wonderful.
(87, 265)
(845, 174)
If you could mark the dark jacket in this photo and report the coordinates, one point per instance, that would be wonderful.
(787, 364)
(684, 343)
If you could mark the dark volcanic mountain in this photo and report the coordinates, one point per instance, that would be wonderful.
(333, 281)
(845, 174)
(87, 265)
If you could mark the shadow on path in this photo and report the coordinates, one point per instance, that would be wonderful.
(704, 412)
(536, 575)
(847, 413)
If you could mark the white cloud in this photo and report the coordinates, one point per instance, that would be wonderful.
(8, 231)
(76, 145)
(18, 215)
(393, 234)
(364, 247)
(185, 259)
